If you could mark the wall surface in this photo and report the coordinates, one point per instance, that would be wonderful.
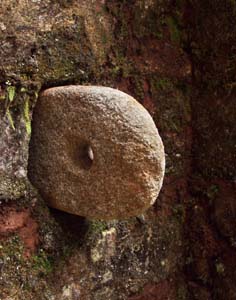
(177, 58)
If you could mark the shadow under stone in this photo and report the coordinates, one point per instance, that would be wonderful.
(73, 226)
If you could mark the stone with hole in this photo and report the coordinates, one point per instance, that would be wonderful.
(95, 152)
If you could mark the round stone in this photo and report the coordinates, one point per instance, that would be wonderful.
(95, 152)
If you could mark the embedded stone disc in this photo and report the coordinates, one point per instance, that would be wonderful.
(95, 152)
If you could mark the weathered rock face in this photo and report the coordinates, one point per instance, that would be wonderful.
(95, 152)
(177, 58)
(225, 212)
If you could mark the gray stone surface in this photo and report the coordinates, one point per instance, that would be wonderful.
(13, 158)
(95, 152)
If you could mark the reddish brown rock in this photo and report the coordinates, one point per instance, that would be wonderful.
(161, 291)
(13, 220)
(95, 152)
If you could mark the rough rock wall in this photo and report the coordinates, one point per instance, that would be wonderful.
(159, 52)
(210, 39)
(126, 45)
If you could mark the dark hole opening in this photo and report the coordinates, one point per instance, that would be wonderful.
(82, 154)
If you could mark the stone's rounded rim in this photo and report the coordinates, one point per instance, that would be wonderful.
(85, 154)
(93, 90)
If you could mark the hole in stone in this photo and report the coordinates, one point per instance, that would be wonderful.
(81, 153)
